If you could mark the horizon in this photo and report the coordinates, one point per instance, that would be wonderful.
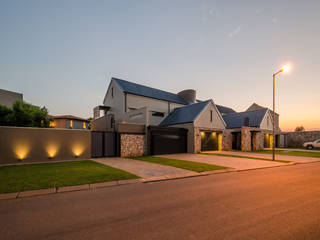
(62, 55)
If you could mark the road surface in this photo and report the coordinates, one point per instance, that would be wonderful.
(274, 203)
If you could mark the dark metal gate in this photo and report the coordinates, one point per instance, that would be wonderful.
(103, 144)
(167, 140)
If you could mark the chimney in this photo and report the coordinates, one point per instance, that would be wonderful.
(188, 95)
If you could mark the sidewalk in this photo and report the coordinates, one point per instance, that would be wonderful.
(296, 159)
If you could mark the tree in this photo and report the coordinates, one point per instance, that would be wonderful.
(299, 129)
(24, 114)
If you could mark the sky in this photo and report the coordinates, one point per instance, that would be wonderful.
(62, 54)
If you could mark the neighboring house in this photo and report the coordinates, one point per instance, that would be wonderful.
(8, 98)
(257, 122)
(70, 122)
(208, 126)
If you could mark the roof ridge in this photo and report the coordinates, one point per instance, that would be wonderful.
(145, 86)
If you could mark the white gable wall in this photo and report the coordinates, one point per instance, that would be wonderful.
(204, 119)
(266, 122)
(116, 102)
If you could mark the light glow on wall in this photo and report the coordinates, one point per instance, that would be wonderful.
(21, 150)
(77, 150)
(52, 150)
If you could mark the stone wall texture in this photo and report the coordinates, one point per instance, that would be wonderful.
(258, 141)
(227, 140)
(197, 140)
(132, 145)
(296, 139)
(245, 139)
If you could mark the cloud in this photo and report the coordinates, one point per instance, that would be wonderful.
(258, 11)
(235, 32)
(274, 20)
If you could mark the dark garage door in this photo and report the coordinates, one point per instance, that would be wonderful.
(167, 140)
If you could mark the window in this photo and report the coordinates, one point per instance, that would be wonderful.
(112, 92)
(52, 124)
(71, 124)
(210, 115)
(84, 125)
(158, 114)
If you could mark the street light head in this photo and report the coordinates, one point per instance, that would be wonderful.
(285, 68)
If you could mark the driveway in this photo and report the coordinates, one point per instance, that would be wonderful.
(232, 162)
(297, 159)
(145, 170)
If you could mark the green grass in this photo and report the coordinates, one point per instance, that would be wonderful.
(47, 175)
(293, 153)
(240, 156)
(188, 165)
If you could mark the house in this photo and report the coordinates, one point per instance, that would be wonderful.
(177, 122)
(165, 112)
(8, 98)
(69, 122)
(252, 129)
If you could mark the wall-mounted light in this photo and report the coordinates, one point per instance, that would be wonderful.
(52, 150)
(21, 150)
(77, 150)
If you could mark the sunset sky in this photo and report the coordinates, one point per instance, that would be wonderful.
(62, 54)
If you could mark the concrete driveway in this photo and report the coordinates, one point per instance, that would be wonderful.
(149, 171)
(297, 159)
(232, 162)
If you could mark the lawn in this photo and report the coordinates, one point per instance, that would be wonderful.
(247, 157)
(188, 165)
(47, 175)
(293, 153)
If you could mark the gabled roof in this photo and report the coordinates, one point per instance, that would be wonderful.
(141, 90)
(255, 106)
(236, 120)
(225, 110)
(186, 114)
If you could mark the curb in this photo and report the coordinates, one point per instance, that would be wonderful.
(56, 190)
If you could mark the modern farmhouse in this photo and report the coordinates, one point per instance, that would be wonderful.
(178, 122)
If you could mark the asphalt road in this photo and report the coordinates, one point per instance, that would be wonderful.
(277, 203)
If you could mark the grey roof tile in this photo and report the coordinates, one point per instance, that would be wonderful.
(236, 120)
(137, 89)
(184, 114)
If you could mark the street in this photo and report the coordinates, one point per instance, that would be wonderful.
(272, 203)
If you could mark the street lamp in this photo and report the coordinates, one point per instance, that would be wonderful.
(283, 69)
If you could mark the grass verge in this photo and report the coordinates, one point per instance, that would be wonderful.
(188, 165)
(293, 153)
(47, 175)
(240, 156)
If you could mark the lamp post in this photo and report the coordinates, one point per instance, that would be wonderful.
(284, 69)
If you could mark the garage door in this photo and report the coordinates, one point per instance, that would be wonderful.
(209, 141)
(167, 140)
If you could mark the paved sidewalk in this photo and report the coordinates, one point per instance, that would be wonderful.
(295, 150)
(145, 170)
(297, 159)
(232, 162)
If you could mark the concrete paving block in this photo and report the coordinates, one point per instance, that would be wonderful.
(73, 188)
(37, 192)
(103, 184)
(4, 196)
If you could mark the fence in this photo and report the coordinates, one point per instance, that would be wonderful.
(21, 144)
